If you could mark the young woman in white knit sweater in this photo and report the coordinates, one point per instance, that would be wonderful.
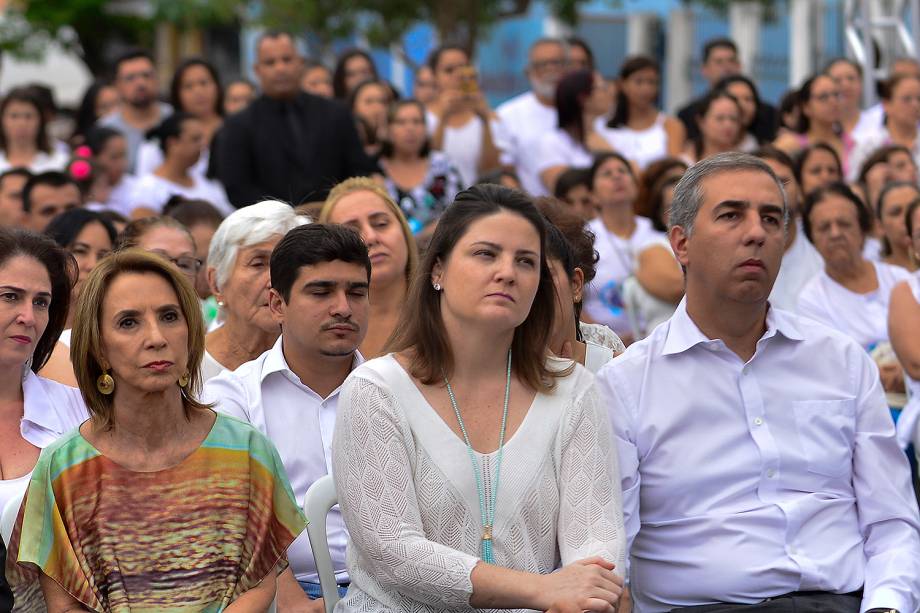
(469, 464)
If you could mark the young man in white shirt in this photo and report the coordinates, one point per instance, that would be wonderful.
(525, 118)
(759, 443)
(320, 277)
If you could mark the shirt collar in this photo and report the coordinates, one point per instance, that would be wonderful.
(38, 409)
(275, 362)
(683, 334)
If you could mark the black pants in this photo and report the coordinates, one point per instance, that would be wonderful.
(796, 602)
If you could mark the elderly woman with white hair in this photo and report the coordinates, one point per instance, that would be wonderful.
(238, 274)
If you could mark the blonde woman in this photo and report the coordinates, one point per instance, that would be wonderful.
(367, 207)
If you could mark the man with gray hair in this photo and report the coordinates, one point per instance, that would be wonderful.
(759, 466)
(525, 118)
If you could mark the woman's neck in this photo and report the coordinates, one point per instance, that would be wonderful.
(233, 344)
(148, 421)
(903, 134)
(642, 116)
(402, 157)
(849, 272)
(388, 299)
(20, 153)
(479, 353)
(849, 119)
(822, 131)
(11, 384)
(900, 257)
(619, 219)
(566, 344)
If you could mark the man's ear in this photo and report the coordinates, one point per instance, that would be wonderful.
(679, 244)
(276, 305)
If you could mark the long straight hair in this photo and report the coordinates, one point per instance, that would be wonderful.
(420, 331)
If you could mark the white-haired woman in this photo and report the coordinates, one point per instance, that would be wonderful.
(239, 278)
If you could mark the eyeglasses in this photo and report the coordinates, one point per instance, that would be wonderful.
(542, 65)
(826, 96)
(185, 263)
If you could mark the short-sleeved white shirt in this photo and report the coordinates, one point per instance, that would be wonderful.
(862, 317)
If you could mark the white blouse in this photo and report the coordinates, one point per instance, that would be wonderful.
(862, 317)
(408, 495)
(50, 409)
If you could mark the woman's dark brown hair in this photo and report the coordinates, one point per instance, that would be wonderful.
(579, 242)
(421, 332)
(648, 202)
(62, 271)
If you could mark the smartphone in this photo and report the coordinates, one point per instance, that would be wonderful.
(469, 84)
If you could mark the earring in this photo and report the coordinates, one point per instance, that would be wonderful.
(220, 303)
(105, 384)
(184, 379)
(437, 287)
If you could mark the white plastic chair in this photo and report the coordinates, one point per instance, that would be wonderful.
(317, 502)
(8, 518)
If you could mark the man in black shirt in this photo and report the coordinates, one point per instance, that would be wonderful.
(287, 144)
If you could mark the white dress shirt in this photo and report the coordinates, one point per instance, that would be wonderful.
(49, 410)
(743, 481)
(266, 393)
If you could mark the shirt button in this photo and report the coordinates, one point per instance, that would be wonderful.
(758, 421)
(771, 473)
(792, 551)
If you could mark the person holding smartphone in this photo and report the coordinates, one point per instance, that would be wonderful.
(460, 119)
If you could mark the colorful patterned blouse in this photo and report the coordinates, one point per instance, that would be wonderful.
(193, 537)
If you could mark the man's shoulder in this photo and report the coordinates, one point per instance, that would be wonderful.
(820, 340)
(512, 108)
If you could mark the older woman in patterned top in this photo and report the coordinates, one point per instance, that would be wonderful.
(156, 502)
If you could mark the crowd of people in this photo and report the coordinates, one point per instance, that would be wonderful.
(568, 354)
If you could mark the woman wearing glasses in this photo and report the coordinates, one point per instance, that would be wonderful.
(182, 138)
(819, 121)
(901, 101)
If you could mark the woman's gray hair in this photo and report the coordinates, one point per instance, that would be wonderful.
(249, 226)
(688, 193)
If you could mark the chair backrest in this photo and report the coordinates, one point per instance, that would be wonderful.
(321, 497)
(8, 517)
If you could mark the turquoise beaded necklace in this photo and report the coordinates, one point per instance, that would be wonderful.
(486, 507)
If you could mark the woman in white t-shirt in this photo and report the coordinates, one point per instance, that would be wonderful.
(195, 89)
(24, 141)
(181, 137)
(639, 129)
(460, 120)
(852, 293)
(627, 245)
(582, 97)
